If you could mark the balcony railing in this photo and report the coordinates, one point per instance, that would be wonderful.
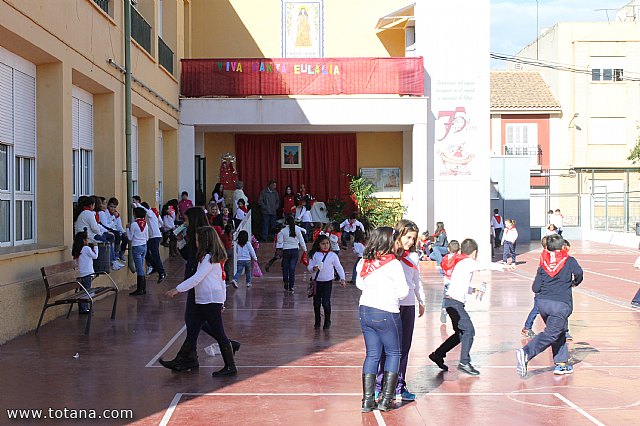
(103, 4)
(533, 151)
(140, 30)
(165, 56)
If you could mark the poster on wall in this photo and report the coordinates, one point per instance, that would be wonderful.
(291, 155)
(386, 181)
(302, 29)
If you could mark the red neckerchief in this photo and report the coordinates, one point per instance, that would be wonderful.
(98, 217)
(171, 209)
(441, 232)
(153, 209)
(86, 208)
(224, 275)
(498, 218)
(244, 209)
(116, 214)
(450, 262)
(405, 259)
(142, 223)
(553, 262)
(370, 265)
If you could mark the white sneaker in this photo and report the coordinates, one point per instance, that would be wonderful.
(248, 284)
(120, 262)
(212, 350)
(234, 284)
(149, 270)
(116, 266)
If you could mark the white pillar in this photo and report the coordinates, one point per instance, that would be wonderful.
(417, 195)
(458, 87)
(199, 144)
(186, 158)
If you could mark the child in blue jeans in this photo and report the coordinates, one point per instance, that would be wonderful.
(245, 254)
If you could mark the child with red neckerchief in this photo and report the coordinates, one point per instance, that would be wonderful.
(322, 263)
(381, 278)
(462, 266)
(447, 269)
(406, 238)
(557, 274)
(138, 234)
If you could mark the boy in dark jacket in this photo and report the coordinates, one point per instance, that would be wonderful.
(557, 274)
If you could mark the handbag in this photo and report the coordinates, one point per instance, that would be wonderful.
(312, 287)
(256, 270)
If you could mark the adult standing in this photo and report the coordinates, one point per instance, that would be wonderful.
(288, 202)
(497, 224)
(269, 201)
(291, 239)
(239, 194)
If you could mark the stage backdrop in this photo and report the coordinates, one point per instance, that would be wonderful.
(327, 160)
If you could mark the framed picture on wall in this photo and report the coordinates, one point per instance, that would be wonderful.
(291, 155)
(386, 181)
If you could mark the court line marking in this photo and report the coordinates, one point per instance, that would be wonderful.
(166, 347)
(611, 276)
(582, 365)
(378, 416)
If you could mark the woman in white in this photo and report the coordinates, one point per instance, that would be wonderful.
(291, 239)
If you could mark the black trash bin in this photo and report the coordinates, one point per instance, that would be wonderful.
(103, 262)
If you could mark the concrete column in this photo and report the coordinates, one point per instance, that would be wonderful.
(108, 147)
(148, 158)
(170, 165)
(417, 193)
(186, 158)
(54, 191)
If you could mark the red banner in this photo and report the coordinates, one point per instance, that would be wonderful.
(296, 76)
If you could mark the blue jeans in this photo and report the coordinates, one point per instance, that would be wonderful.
(408, 320)
(528, 324)
(354, 273)
(138, 258)
(268, 223)
(381, 330)
(437, 252)
(289, 262)
(243, 265)
(509, 251)
(556, 318)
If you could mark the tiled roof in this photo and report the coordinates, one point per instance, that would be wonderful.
(521, 90)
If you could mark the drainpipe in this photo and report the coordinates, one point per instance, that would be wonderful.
(127, 104)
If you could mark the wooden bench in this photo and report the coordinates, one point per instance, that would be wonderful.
(60, 279)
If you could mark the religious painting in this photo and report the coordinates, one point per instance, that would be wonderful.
(291, 155)
(302, 29)
(386, 181)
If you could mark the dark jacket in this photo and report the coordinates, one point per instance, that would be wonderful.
(558, 288)
(269, 201)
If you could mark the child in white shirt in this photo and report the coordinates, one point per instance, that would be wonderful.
(138, 234)
(245, 254)
(454, 248)
(509, 237)
(322, 263)
(84, 253)
(358, 249)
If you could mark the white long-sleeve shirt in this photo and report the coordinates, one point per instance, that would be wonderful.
(495, 224)
(358, 249)
(510, 234)
(346, 226)
(136, 236)
(416, 291)
(87, 219)
(326, 267)
(333, 240)
(463, 274)
(304, 215)
(85, 260)
(289, 242)
(152, 222)
(207, 281)
(383, 288)
(117, 223)
(245, 252)
(106, 219)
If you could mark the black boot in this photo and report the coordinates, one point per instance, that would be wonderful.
(368, 392)
(229, 368)
(327, 319)
(180, 359)
(143, 281)
(140, 286)
(388, 393)
(316, 311)
(189, 361)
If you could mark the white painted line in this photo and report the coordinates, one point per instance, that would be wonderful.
(167, 346)
(615, 278)
(410, 366)
(379, 419)
(171, 409)
(579, 410)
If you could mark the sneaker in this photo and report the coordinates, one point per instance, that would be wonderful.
(406, 396)
(234, 284)
(635, 304)
(528, 333)
(248, 285)
(438, 361)
(150, 270)
(443, 315)
(469, 369)
(567, 336)
(523, 361)
(116, 266)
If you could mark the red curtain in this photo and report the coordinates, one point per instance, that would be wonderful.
(327, 160)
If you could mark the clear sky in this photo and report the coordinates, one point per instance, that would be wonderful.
(513, 22)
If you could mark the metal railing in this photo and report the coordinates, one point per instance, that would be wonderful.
(103, 4)
(165, 56)
(533, 151)
(140, 30)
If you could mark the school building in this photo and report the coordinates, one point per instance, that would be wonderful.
(300, 91)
